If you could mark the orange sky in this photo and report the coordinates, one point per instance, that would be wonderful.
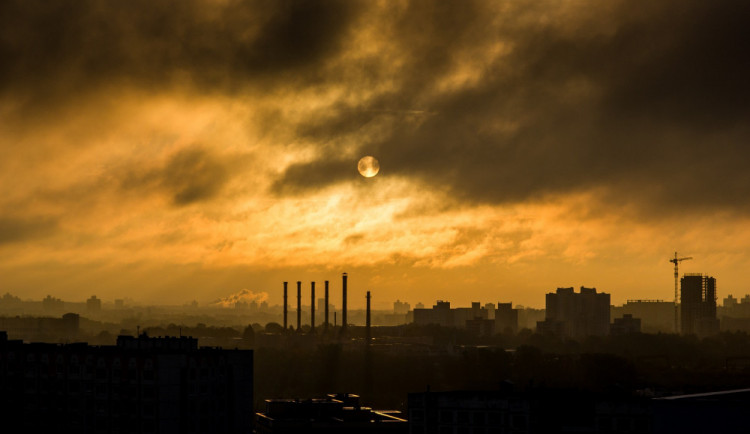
(176, 152)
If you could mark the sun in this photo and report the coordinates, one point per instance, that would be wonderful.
(368, 166)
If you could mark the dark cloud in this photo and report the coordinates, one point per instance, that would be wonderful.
(25, 229)
(191, 175)
(301, 177)
(55, 50)
(644, 102)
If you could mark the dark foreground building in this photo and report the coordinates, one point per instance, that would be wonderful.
(577, 411)
(141, 385)
(336, 413)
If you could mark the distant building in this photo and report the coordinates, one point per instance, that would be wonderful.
(50, 303)
(440, 314)
(506, 318)
(577, 315)
(41, 328)
(463, 314)
(480, 326)
(551, 327)
(119, 303)
(339, 413)
(93, 305)
(528, 317)
(734, 315)
(401, 307)
(145, 385)
(656, 315)
(490, 308)
(626, 325)
(698, 305)
(729, 302)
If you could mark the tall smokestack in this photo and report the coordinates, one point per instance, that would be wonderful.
(325, 309)
(312, 307)
(368, 336)
(368, 353)
(299, 305)
(343, 304)
(285, 305)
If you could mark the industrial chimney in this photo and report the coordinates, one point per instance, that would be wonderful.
(368, 336)
(299, 305)
(312, 307)
(325, 309)
(285, 305)
(343, 304)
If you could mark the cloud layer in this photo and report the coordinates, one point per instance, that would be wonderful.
(223, 133)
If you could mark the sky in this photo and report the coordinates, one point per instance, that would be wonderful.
(194, 150)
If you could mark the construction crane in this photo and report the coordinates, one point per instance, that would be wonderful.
(676, 261)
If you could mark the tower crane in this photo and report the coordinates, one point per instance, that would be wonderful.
(676, 261)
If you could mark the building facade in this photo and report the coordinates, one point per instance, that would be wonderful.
(142, 384)
(577, 314)
(698, 305)
(656, 315)
(506, 318)
(443, 315)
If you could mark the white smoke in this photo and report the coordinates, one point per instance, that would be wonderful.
(245, 295)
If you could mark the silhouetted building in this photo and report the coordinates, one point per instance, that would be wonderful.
(698, 305)
(144, 385)
(490, 308)
(529, 317)
(463, 314)
(506, 318)
(734, 314)
(50, 303)
(93, 305)
(625, 325)
(480, 326)
(546, 410)
(656, 315)
(467, 411)
(729, 302)
(401, 307)
(551, 327)
(440, 314)
(577, 315)
(41, 328)
(339, 413)
(714, 412)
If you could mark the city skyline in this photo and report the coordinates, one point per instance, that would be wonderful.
(190, 150)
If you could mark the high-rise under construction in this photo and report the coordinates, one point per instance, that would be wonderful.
(698, 305)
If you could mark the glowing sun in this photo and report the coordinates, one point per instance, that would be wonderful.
(368, 166)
